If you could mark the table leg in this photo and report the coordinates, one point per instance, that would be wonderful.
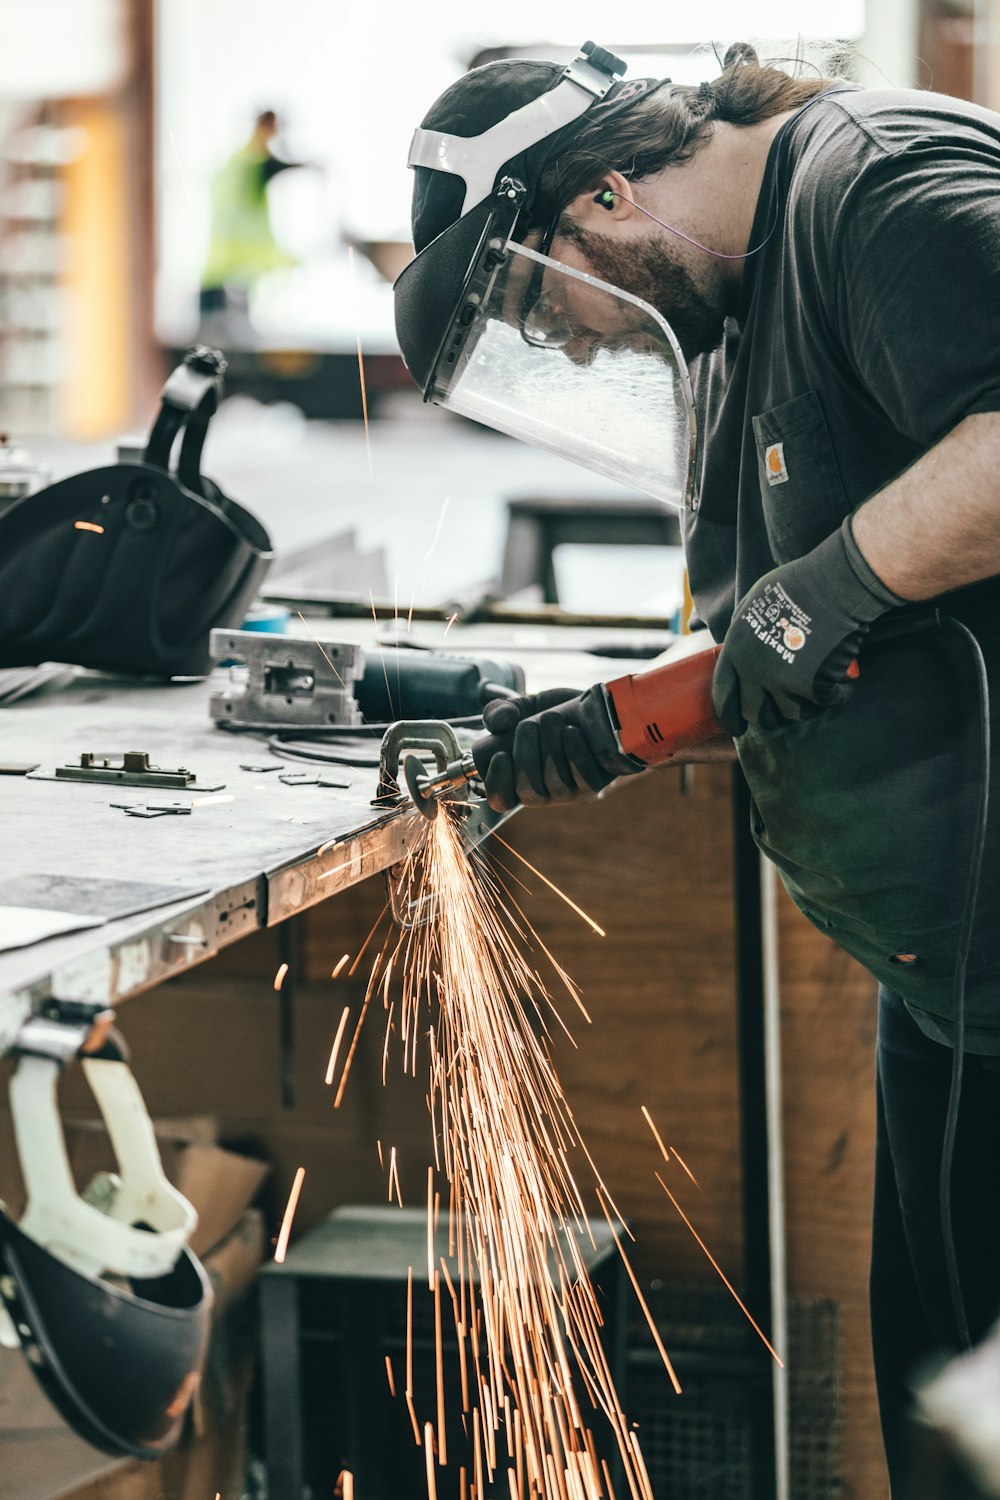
(282, 1387)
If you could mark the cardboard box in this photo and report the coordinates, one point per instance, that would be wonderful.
(221, 1186)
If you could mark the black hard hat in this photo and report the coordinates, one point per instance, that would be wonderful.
(120, 1362)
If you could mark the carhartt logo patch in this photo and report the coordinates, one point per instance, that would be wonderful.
(774, 464)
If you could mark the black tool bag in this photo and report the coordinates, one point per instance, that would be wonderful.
(129, 567)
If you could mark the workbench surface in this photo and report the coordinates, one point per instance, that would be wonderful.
(175, 889)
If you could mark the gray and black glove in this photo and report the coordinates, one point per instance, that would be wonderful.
(795, 635)
(560, 744)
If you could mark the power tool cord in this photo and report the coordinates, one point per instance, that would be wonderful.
(301, 745)
(319, 745)
(961, 966)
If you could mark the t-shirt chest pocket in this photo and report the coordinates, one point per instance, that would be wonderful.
(802, 495)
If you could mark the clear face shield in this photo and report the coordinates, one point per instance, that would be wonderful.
(571, 364)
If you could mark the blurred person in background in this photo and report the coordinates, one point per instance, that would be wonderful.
(242, 246)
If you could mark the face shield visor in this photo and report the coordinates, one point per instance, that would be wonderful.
(548, 354)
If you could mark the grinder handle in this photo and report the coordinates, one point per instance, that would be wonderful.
(668, 709)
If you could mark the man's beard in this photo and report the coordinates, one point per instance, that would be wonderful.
(647, 270)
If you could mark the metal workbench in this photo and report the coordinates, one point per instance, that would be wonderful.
(247, 856)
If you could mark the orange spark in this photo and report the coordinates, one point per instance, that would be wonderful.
(646, 1313)
(561, 894)
(437, 529)
(656, 1134)
(687, 1169)
(88, 526)
(286, 1224)
(316, 642)
(390, 1377)
(431, 1274)
(331, 1065)
(338, 967)
(385, 674)
(439, 1357)
(726, 1282)
(361, 374)
(279, 978)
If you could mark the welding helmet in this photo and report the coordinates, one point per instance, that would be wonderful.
(128, 567)
(100, 1290)
(507, 335)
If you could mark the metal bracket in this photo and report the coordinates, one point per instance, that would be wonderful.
(133, 769)
(441, 741)
(59, 1029)
(153, 809)
(284, 680)
(438, 739)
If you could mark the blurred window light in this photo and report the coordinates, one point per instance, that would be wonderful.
(52, 49)
(350, 84)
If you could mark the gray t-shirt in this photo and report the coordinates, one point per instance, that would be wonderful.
(867, 329)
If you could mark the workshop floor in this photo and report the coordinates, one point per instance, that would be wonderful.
(308, 480)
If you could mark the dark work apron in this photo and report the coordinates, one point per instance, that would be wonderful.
(869, 813)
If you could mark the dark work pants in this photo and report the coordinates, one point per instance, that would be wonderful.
(912, 1317)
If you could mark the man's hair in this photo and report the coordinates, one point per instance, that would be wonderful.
(667, 125)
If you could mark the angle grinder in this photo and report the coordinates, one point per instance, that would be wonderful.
(656, 715)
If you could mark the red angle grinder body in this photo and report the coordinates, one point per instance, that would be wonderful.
(657, 715)
(669, 709)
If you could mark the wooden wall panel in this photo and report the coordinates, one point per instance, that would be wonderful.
(828, 1025)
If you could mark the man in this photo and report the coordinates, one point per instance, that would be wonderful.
(242, 246)
(829, 259)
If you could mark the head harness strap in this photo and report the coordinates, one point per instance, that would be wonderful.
(477, 159)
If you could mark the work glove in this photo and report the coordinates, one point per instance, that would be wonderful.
(795, 635)
(555, 746)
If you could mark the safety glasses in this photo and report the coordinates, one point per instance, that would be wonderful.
(543, 319)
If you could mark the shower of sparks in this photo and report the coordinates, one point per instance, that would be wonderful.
(88, 526)
(726, 1282)
(279, 978)
(281, 1249)
(525, 1312)
(361, 374)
